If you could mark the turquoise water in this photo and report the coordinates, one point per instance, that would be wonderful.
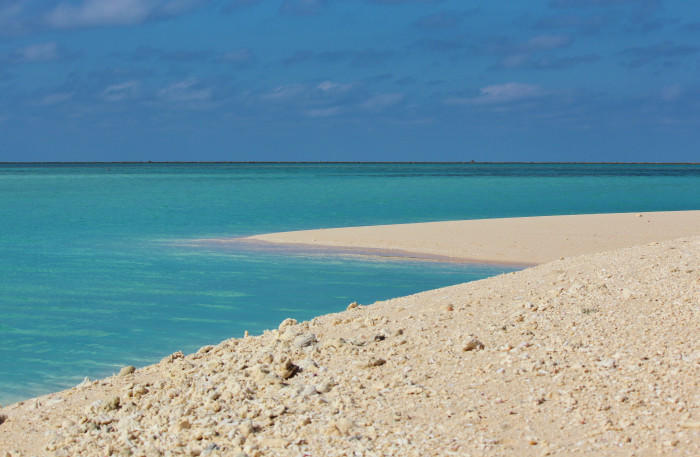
(96, 270)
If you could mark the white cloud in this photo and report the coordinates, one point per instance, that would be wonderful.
(173, 7)
(187, 90)
(114, 12)
(330, 86)
(100, 12)
(56, 98)
(281, 93)
(10, 10)
(121, 91)
(39, 52)
(515, 60)
(302, 6)
(239, 56)
(324, 112)
(382, 101)
(10, 14)
(500, 94)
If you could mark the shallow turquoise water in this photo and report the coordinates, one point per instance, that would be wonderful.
(95, 270)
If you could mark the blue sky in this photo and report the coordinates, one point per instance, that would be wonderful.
(583, 80)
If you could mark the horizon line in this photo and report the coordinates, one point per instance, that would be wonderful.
(322, 162)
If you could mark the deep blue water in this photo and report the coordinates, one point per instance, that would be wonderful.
(96, 271)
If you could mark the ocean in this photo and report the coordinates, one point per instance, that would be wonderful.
(98, 269)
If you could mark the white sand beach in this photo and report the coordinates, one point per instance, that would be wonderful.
(593, 354)
(521, 240)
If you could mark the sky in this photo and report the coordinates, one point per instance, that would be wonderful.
(349, 80)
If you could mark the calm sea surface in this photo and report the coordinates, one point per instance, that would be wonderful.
(96, 271)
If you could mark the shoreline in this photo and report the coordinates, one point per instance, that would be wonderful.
(506, 241)
(542, 361)
(252, 244)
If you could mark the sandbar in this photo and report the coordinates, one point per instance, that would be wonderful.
(520, 240)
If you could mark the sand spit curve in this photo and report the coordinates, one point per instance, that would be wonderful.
(519, 240)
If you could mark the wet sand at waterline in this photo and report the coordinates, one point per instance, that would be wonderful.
(594, 354)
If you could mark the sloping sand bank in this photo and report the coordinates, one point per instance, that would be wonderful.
(521, 240)
(591, 355)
